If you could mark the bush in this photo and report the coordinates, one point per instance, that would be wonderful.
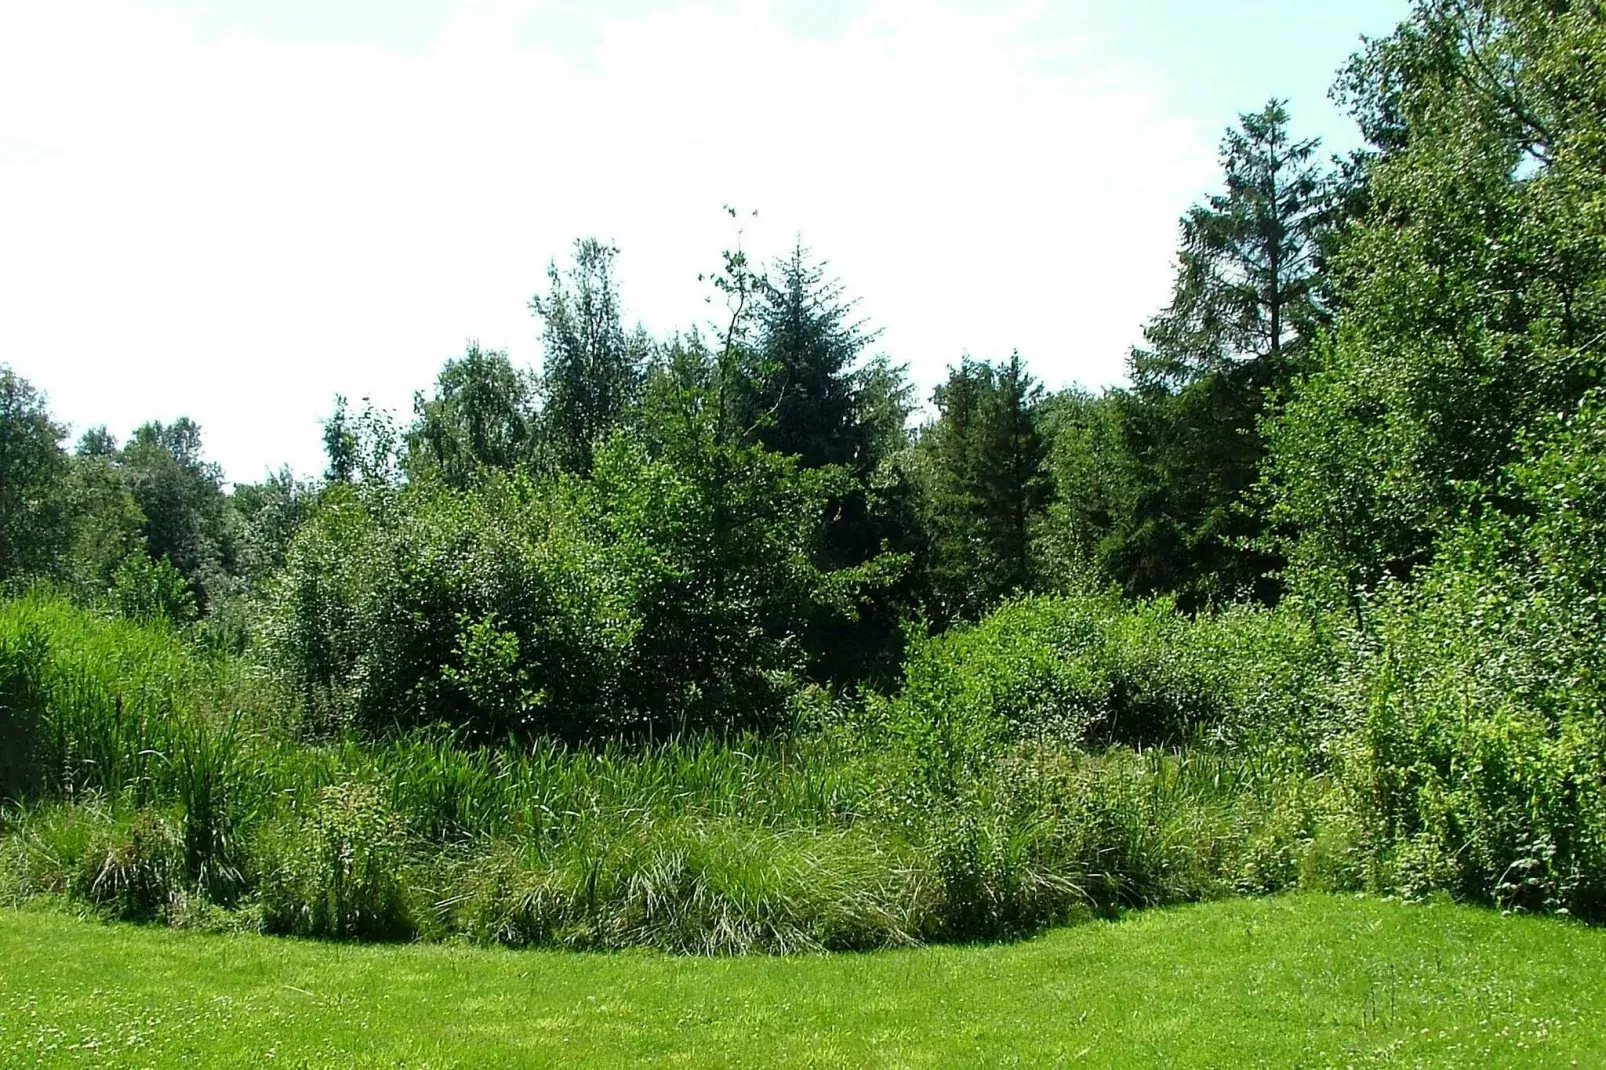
(338, 871)
(1079, 669)
(144, 589)
(489, 611)
(126, 863)
(24, 648)
(662, 595)
(1476, 742)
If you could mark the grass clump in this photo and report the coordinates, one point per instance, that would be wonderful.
(706, 887)
(337, 870)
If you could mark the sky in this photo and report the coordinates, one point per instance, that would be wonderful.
(236, 210)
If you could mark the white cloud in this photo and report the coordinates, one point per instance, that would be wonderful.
(238, 227)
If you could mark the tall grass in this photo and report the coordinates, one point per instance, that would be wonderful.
(162, 783)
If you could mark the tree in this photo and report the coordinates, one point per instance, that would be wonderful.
(180, 495)
(804, 386)
(984, 486)
(107, 524)
(592, 372)
(268, 514)
(33, 512)
(806, 394)
(883, 399)
(1187, 524)
(1470, 292)
(1088, 466)
(1246, 288)
(1245, 304)
(482, 415)
(363, 447)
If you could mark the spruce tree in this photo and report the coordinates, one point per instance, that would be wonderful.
(808, 345)
(1246, 300)
(984, 484)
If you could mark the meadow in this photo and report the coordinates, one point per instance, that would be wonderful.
(697, 699)
(1297, 981)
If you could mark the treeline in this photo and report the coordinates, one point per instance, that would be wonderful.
(1354, 353)
(767, 467)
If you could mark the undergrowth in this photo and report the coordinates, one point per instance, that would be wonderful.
(1064, 758)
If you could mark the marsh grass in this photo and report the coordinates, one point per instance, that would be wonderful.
(167, 786)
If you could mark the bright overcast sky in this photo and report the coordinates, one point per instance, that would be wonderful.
(234, 211)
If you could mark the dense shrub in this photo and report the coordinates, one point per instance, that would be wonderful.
(720, 546)
(489, 611)
(1479, 736)
(338, 870)
(653, 597)
(1093, 670)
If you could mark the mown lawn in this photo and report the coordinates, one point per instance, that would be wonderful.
(1307, 981)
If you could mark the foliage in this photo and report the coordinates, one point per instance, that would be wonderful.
(147, 589)
(362, 447)
(692, 644)
(1247, 285)
(96, 702)
(180, 496)
(1471, 289)
(482, 415)
(106, 523)
(337, 871)
(1089, 471)
(1482, 736)
(491, 610)
(592, 370)
(981, 471)
(1088, 669)
(807, 393)
(857, 834)
(802, 399)
(717, 543)
(32, 466)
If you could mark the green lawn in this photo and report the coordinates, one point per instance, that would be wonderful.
(1307, 981)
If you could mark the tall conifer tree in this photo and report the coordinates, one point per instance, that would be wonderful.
(1245, 302)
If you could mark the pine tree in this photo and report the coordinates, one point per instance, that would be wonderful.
(984, 483)
(807, 395)
(1246, 301)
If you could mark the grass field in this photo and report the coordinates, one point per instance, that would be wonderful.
(1306, 981)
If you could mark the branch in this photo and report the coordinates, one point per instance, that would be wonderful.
(1496, 93)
